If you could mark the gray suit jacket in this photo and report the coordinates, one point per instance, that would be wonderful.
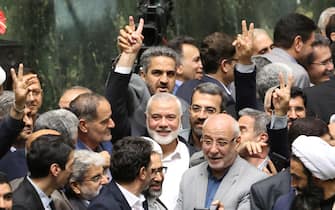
(233, 192)
(278, 55)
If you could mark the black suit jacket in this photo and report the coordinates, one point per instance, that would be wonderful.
(110, 198)
(321, 100)
(9, 130)
(26, 198)
(263, 194)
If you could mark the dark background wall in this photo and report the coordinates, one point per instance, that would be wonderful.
(72, 42)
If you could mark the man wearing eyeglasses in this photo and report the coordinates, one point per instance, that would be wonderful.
(87, 178)
(320, 97)
(224, 176)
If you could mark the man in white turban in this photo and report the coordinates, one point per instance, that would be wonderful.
(313, 172)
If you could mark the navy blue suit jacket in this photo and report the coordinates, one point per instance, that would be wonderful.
(9, 130)
(110, 198)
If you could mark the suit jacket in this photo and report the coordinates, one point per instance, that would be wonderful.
(265, 192)
(278, 55)
(14, 164)
(9, 130)
(78, 204)
(26, 198)
(128, 95)
(110, 198)
(233, 192)
(285, 201)
(321, 100)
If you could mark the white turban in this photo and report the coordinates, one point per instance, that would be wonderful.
(316, 155)
(2, 75)
(155, 146)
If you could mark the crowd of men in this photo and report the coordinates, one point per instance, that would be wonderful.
(243, 122)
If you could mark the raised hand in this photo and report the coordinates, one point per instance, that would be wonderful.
(244, 43)
(21, 86)
(129, 39)
(281, 96)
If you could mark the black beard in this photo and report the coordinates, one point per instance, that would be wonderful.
(308, 198)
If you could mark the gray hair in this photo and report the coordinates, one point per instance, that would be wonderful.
(155, 52)
(61, 120)
(267, 77)
(261, 119)
(211, 89)
(85, 105)
(7, 99)
(162, 98)
(324, 18)
(83, 160)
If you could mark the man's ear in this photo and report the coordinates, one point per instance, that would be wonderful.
(332, 36)
(75, 188)
(264, 137)
(83, 125)
(55, 169)
(223, 66)
(180, 70)
(142, 74)
(298, 44)
(143, 173)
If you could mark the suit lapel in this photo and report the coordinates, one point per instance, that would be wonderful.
(203, 182)
(229, 180)
(119, 197)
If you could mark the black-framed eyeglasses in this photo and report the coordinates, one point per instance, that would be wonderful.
(209, 110)
(160, 170)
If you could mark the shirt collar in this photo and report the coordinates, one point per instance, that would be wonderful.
(132, 199)
(44, 198)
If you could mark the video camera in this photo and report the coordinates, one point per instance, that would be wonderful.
(156, 15)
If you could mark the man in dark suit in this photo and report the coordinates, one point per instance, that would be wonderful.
(50, 162)
(86, 179)
(320, 97)
(131, 169)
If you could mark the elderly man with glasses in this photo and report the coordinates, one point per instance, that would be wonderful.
(224, 176)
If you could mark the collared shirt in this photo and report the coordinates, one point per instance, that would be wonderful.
(177, 163)
(212, 187)
(178, 83)
(223, 85)
(46, 200)
(135, 202)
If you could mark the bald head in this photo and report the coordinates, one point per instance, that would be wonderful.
(262, 42)
(70, 94)
(222, 123)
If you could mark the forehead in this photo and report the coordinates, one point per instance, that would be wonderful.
(296, 101)
(162, 63)
(206, 99)
(217, 127)
(103, 109)
(189, 49)
(93, 170)
(156, 160)
(164, 107)
(321, 52)
(246, 121)
(296, 168)
(4, 188)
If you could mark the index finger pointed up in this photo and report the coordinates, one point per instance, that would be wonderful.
(251, 30)
(140, 26)
(132, 23)
(281, 80)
